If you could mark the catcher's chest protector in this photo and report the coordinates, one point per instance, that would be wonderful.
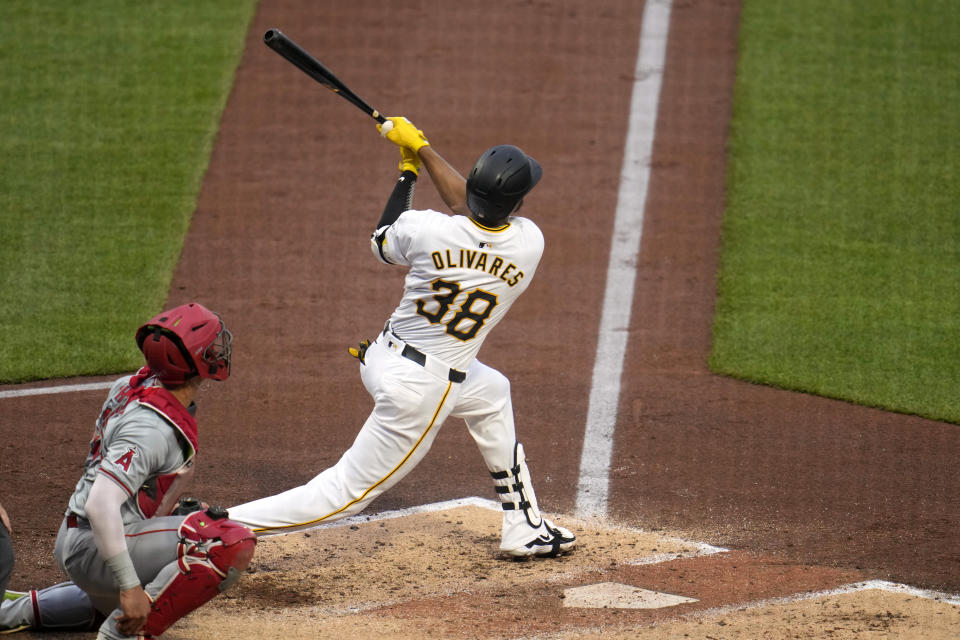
(158, 496)
(153, 499)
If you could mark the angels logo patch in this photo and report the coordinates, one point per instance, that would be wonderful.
(125, 460)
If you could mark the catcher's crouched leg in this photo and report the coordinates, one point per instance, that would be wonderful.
(212, 554)
(62, 607)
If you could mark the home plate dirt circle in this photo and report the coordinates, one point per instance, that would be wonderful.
(436, 572)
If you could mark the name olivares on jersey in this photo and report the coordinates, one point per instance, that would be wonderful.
(479, 261)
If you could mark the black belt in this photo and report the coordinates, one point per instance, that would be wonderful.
(410, 353)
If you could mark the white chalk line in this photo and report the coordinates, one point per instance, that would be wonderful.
(65, 388)
(868, 585)
(700, 549)
(878, 585)
(400, 513)
(594, 480)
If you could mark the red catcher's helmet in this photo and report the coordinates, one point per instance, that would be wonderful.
(186, 341)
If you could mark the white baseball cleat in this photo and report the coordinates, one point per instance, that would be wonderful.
(550, 541)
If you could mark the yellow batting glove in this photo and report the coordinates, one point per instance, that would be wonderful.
(409, 161)
(402, 133)
(360, 351)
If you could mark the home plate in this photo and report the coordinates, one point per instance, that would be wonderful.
(612, 595)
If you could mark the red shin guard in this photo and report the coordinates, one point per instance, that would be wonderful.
(213, 552)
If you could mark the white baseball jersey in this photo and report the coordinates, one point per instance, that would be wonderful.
(463, 278)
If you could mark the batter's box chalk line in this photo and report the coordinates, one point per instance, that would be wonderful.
(878, 585)
(868, 585)
(399, 513)
(696, 549)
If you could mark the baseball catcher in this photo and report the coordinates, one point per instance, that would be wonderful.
(126, 555)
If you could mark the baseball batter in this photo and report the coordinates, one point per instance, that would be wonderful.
(141, 567)
(464, 273)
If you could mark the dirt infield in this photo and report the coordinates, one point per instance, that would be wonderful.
(805, 495)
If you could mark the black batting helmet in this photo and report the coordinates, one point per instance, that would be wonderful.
(499, 180)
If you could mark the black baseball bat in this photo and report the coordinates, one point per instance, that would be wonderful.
(296, 55)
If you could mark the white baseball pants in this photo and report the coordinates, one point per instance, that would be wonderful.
(411, 403)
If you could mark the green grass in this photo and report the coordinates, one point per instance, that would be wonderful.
(109, 111)
(840, 271)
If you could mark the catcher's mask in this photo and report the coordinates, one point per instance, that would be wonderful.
(499, 180)
(186, 341)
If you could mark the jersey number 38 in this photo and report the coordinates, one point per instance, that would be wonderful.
(469, 317)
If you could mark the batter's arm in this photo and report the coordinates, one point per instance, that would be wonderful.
(400, 200)
(450, 184)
